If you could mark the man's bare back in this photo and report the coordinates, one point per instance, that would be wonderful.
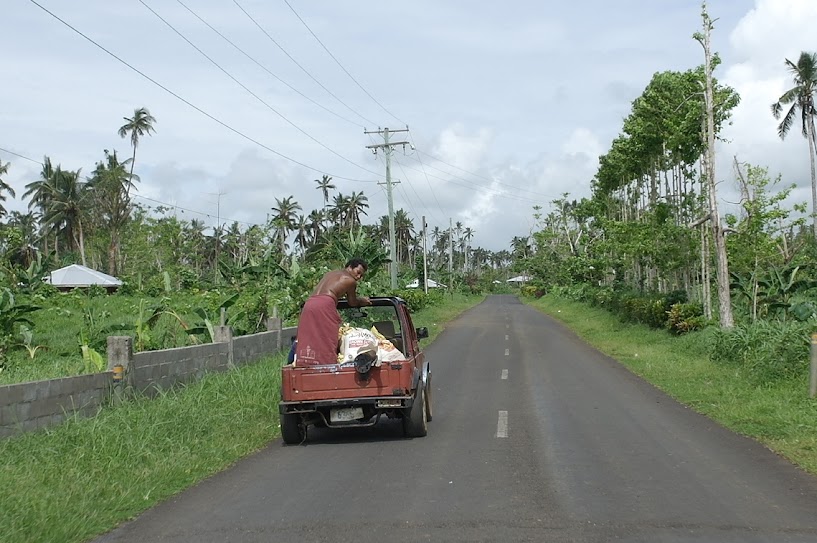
(342, 283)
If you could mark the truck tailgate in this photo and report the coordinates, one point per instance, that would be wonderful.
(314, 383)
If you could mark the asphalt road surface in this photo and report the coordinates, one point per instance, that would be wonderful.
(535, 437)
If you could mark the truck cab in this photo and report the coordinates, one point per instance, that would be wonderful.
(340, 395)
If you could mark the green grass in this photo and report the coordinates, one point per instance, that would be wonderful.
(84, 477)
(780, 415)
(435, 317)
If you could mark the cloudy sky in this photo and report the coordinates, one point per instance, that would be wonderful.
(509, 103)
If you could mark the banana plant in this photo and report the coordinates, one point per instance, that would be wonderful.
(12, 316)
(206, 325)
(27, 337)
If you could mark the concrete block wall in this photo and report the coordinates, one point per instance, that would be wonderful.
(30, 406)
(151, 371)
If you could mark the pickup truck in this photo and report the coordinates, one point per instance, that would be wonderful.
(344, 395)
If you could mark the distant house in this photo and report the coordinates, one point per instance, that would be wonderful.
(431, 284)
(519, 279)
(76, 276)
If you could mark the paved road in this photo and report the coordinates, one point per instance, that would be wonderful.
(535, 437)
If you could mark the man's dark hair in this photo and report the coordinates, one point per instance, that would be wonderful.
(355, 262)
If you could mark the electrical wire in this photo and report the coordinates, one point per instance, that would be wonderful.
(195, 107)
(533, 193)
(263, 67)
(21, 156)
(341, 65)
(495, 192)
(243, 86)
(261, 28)
(430, 187)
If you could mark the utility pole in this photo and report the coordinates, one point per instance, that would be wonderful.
(217, 231)
(388, 148)
(425, 258)
(450, 253)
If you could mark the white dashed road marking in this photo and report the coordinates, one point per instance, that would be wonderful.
(504, 374)
(506, 337)
(507, 352)
(502, 424)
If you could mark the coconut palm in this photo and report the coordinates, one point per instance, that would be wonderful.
(356, 204)
(284, 219)
(111, 184)
(325, 185)
(4, 187)
(467, 236)
(38, 193)
(404, 235)
(302, 234)
(801, 98)
(315, 223)
(141, 124)
(67, 206)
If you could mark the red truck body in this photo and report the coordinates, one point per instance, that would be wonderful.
(338, 395)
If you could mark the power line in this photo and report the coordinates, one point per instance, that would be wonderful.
(21, 156)
(263, 67)
(190, 104)
(341, 65)
(243, 86)
(534, 193)
(472, 185)
(426, 176)
(301, 67)
(137, 195)
(405, 176)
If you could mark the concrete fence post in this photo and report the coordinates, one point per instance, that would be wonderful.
(275, 324)
(224, 334)
(813, 372)
(120, 355)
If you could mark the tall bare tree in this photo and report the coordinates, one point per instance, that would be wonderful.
(724, 295)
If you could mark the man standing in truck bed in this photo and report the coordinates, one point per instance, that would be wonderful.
(319, 323)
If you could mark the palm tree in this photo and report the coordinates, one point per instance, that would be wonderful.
(339, 209)
(404, 235)
(26, 224)
(467, 236)
(302, 234)
(110, 184)
(141, 124)
(284, 219)
(325, 185)
(801, 97)
(4, 187)
(67, 206)
(316, 218)
(356, 203)
(39, 192)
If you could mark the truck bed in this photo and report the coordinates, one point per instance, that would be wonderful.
(338, 382)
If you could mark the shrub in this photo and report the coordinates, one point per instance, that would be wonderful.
(769, 350)
(685, 317)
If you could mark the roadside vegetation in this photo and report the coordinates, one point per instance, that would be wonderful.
(143, 451)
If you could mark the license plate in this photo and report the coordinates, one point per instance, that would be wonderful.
(345, 414)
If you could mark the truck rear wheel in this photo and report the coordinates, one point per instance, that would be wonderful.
(293, 431)
(428, 394)
(415, 418)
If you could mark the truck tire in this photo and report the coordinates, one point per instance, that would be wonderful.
(292, 431)
(428, 394)
(415, 418)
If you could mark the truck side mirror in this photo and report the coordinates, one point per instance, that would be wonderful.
(422, 332)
